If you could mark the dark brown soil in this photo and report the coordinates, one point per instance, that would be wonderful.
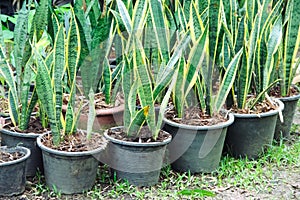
(144, 136)
(260, 107)
(275, 92)
(77, 142)
(6, 157)
(194, 116)
(34, 126)
(99, 102)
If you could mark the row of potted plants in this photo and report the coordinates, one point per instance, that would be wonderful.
(188, 58)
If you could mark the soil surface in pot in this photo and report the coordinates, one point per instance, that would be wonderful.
(6, 156)
(4, 106)
(34, 126)
(144, 136)
(276, 92)
(99, 102)
(260, 107)
(77, 142)
(194, 116)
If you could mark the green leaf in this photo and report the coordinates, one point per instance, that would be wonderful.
(291, 42)
(124, 16)
(20, 37)
(178, 94)
(73, 48)
(164, 105)
(197, 25)
(159, 28)
(45, 93)
(261, 94)
(85, 29)
(107, 80)
(127, 82)
(59, 69)
(137, 121)
(181, 17)
(196, 59)
(40, 19)
(13, 109)
(203, 193)
(69, 119)
(200, 94)
(214, 16)
(165, 75)
(25, 87)
(100, 33)
(145, 91)
(131, 102)
(272, 46)
(7, 74)
(139, 15)
(227, 81)
(39, 24)
(92, 113)
(247, 66)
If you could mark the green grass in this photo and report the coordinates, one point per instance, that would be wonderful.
(254, 176)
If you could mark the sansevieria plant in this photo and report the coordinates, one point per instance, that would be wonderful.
(66, 150)
(146, 80)
(50, 72)
(198, 69)
(259, 31)
(137, 74)
(289, 47)
(18, 72)
(97, 33)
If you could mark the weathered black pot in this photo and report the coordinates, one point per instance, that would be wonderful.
(28, 140)
(196, 148)
(12, 174)
(139, 163)
(251, 133)
(69, 172)
(290, 105)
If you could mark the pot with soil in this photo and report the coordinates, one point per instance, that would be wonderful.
(139, 159)
(106, 115)
(12, 170)
(69, 154)
(71, 167)
(11, 136)
(197, 143)
(282, 129)
(251, 133)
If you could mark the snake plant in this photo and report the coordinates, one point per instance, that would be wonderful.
(289, 46)
(50, 72)
(17, 71)
(255, 26)
(197, 69)
(137, 73)
(97, 30)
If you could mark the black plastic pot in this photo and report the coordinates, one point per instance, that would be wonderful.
(12, 174)
(69, 172)
(139, 163)
(11, 139)
(196, 148)
(251, 133)
(290, 105)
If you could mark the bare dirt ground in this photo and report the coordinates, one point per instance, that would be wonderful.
(285, 185)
